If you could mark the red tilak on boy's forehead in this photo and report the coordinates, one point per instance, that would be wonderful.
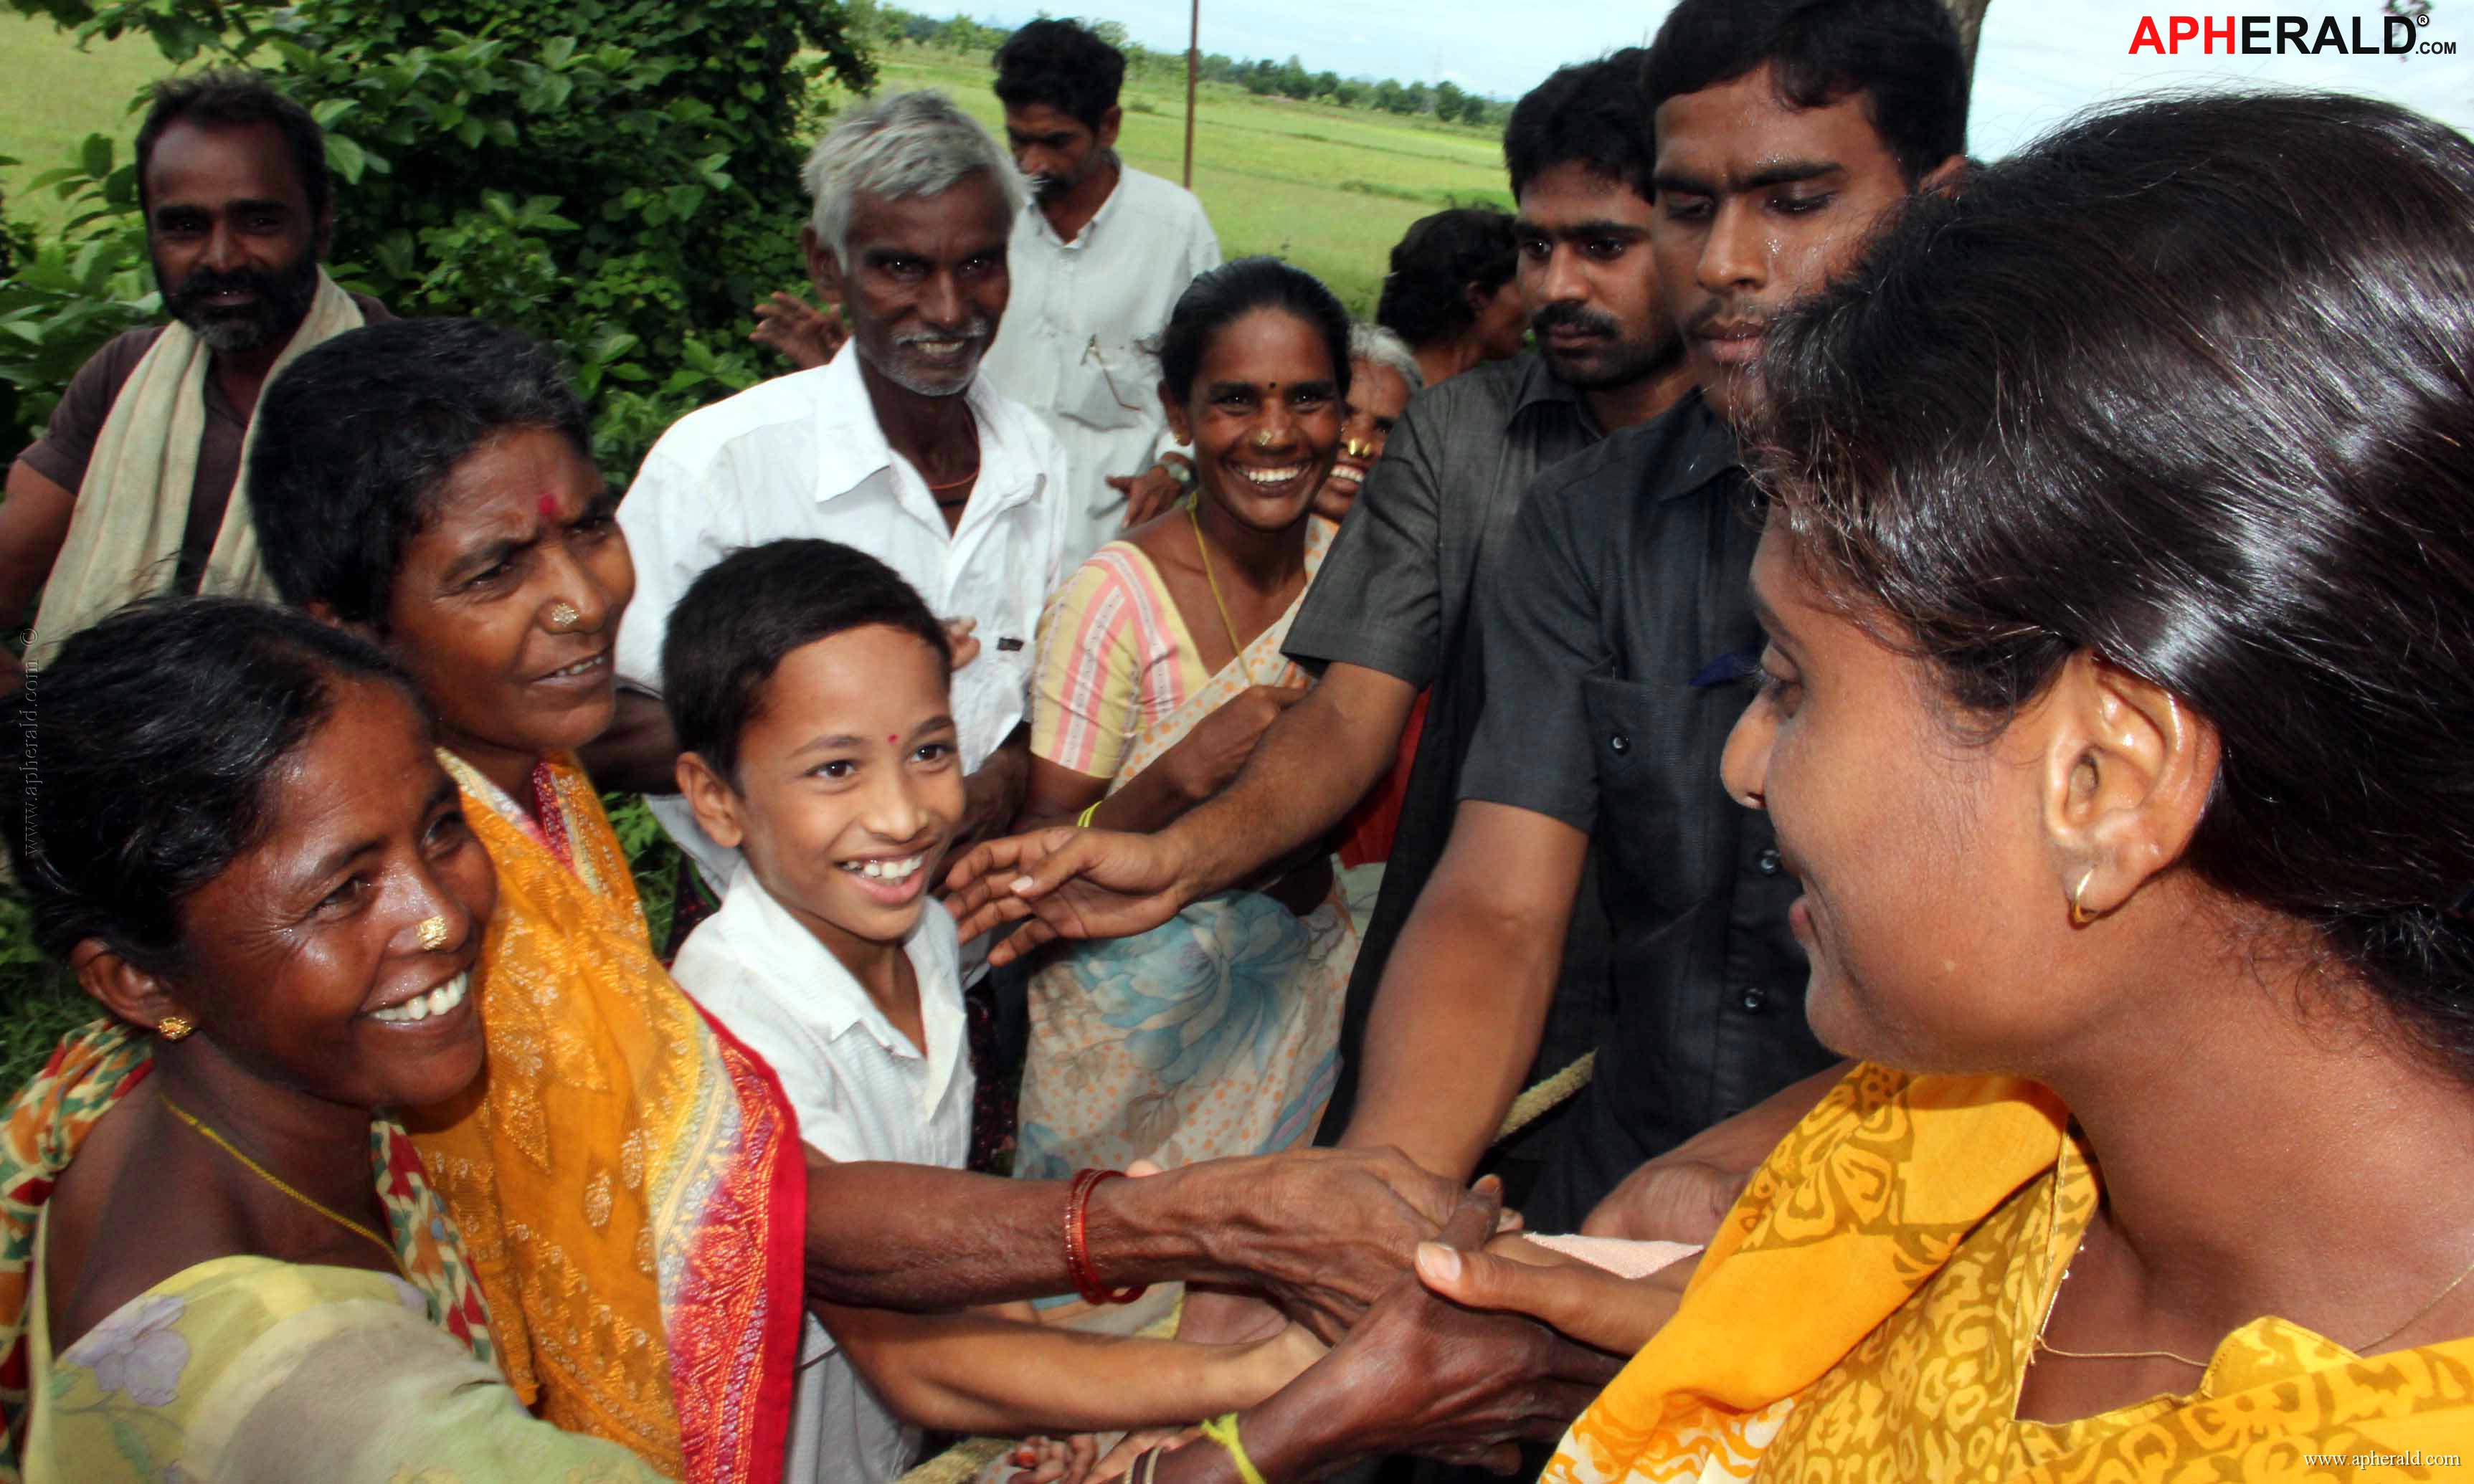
(548, 505)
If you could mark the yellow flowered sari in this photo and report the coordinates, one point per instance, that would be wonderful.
(627, 1176)
(1867, 1309)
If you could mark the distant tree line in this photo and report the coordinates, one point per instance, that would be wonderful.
(1260, 76)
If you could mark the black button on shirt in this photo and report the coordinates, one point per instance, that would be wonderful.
(1627, 574)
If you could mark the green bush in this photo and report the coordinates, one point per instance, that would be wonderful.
(626, 201)
(625, 197)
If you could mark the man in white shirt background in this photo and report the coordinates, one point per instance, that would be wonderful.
(897, 447)
(1099, 258)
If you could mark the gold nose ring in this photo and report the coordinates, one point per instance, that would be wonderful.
(1263, 439)
(563, 616)
(431, 934)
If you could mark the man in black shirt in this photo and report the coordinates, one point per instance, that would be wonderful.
(1619, 617)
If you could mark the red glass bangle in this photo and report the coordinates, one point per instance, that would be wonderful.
(1078, 1242)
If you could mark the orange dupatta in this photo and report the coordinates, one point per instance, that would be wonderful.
(627, 1176)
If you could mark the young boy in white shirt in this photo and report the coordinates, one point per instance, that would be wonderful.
(808, 685)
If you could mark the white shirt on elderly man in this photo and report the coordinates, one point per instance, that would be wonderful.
(802, 456)
(1070, 345)
(862, 1091)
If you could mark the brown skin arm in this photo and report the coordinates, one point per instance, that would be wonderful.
(993, 794)
(1321, 1232)
(985, 1373)
(1464, 999)
(639, 754)
(1310, 768)
(34, 523)
(1682, 1195)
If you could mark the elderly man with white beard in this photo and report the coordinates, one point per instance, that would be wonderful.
(897, 447)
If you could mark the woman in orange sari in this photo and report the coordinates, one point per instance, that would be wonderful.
(627, 1177)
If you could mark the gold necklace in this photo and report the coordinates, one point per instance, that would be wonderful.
(1194, 517)
(2040, 1342)
(270, 1177)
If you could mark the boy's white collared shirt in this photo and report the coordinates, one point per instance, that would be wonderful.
(862, 1091)
(802, 456)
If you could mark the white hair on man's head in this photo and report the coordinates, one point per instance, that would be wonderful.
(900, 146)
(1373, 343)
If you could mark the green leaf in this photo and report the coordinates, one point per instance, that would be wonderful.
(95, 154)
(558, 51)
(329, 110)
(471, 132)
(346, 158)
(684, 199)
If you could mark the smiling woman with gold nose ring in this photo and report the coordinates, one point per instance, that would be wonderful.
(427, 483)
(220, 1258)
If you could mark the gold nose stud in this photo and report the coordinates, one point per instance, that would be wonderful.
(563, 616)
(431, 934)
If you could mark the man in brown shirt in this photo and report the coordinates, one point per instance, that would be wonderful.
(233, 179)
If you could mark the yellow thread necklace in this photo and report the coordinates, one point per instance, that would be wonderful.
(270, 1177)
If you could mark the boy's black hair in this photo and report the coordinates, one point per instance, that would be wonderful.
(748, 610)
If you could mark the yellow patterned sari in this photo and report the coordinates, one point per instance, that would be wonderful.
(1867, 1312)
(627, 1176)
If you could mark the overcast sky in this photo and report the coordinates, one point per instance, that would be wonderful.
(2039, 60)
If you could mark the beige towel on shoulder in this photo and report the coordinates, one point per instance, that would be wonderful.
(133, 508)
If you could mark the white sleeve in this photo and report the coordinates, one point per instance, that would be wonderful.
(667, 519)
(1202, 245)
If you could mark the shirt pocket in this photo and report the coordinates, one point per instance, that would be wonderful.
(1109, 386)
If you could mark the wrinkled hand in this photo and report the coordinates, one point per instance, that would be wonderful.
(959, 639)
(806, 335)
(1207, 757)
(1673, 1198)
(1322, 1233)
(1120, 1459)
(1422, 1375)
(1155, 491)
(1063, 883)
(1578, 1300)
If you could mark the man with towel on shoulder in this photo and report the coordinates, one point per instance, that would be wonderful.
(130, 491)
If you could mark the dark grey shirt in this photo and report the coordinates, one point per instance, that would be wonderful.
(1616, 624)
(1394, 595)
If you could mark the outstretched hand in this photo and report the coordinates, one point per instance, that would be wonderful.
(1063, 883)
(1513, 1275)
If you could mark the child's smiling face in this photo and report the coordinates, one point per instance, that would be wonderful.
(850, 784)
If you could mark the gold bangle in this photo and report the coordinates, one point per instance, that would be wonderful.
(1223, 1430)
(1083, 821)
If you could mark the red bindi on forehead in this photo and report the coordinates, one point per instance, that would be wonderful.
(890, 740)
(547, 506)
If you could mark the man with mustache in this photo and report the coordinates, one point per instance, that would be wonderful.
(131, 487)
(1388, 617)
(1099, 258)
(1615, 637)
(897, 447)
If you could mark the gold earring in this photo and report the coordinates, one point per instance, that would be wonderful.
(2081, 917)
(563, 616)
(172, 1027)
(431, 934)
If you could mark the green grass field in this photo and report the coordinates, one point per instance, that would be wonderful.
(1328, 188)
